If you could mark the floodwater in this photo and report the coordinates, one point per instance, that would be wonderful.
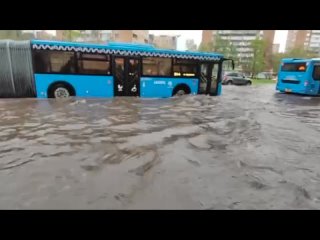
(250, 148)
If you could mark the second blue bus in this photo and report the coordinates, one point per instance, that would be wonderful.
(301, 76)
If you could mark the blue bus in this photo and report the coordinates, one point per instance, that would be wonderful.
(64, 69)
(301, 76)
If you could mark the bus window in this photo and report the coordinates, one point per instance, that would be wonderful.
(62, 62)
(186, 68)
(316, 73)
(94, 64)
(155, 66)
(119, 68)
(294, 67)
(54, 62)
(41, 61)
(133, 66)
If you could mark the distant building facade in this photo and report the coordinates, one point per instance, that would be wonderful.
(190, 45)
(297, 39)
(135, 36)
(241, 40)
(104, 36)
(164, 41)
(313, 41)
(44, 35)
(306, 39)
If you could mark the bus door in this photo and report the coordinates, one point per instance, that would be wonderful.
(214, 77)
(126, 72)
(208, 83)
(316, 76)
(203, 78)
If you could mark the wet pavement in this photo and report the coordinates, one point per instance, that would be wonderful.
(250, 148)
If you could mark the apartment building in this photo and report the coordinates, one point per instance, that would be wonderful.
(135, 36)
(104, 36)
(297, 39)
(164, 41)
(307, 39)
(313, 41)
(242, 39)
(191, 45)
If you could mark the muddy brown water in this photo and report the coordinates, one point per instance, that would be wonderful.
(250, 148)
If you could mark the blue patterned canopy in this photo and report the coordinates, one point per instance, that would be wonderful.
(124, 49)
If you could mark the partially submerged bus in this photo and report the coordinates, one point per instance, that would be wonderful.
(55, 69)
(301, 76)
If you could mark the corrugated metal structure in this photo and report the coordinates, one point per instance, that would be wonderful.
(16, 72)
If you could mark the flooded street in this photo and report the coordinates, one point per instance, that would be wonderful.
(251, 148)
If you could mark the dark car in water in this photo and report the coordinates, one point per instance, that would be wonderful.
(235, 78)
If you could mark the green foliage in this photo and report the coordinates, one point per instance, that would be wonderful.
(222, 46)
(96, 35)
(225, 47)
(71, 35)
(206, 47)
(258, 61)
(10, 34)
(262, 81)
(27, 36)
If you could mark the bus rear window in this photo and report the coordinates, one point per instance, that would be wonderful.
(294, 67)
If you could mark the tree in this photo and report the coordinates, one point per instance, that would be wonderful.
(10, 34)
(27, 36)
(258, 60)
(96, 35)
(206, 47)
(71, 35)
(226, 48)
(220, 45)
(276, 59)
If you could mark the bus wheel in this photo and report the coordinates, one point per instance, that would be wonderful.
(61, 91)
(181, 90)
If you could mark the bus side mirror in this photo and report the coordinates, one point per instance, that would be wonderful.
(232, 62)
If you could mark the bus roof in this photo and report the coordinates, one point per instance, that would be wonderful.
(300, 59)
(126, 49)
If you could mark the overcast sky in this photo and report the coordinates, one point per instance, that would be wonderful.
(280, 36)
